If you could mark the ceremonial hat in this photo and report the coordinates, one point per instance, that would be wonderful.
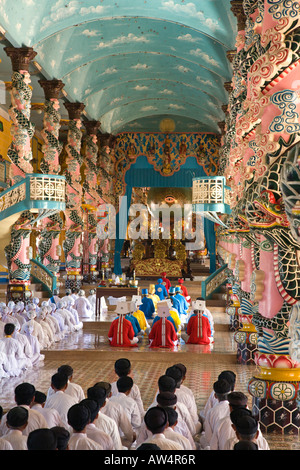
(156, 418)
(137, 299)
(246, 425)
(159, 280)
(222, 386)
(172, 290)
(166, 399)
(144, 291)
(163, 309)
(163, 274)
(237, 399)
(17, 416)
(177, 289)
(180, 281)
(123, 308)
(199, 305)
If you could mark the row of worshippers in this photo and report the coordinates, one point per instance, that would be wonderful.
(27, 329)
(111, 415)
(163, 327)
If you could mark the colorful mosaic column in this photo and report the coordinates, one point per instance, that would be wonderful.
(49, 246)
(72, 245)
(18, 252)
(22, 129)
(91, 200)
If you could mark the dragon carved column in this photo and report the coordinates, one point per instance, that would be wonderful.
(22, 129)
(91, 200)
(72, 245)
(49, 246)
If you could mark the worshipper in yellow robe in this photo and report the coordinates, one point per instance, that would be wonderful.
(139, 314)
(175, 315)
(153, 296)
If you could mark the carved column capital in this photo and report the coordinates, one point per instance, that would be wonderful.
(20, 57)
(238, 11)
(92, 127)
(52, 88)
(74, 109)
(230, 55)
(228, 87)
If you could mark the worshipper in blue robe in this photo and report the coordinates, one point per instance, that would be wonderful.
(135, 324)
(184, 306)
(175, 301)
(160, 290)
(147, 305)
(168, 318)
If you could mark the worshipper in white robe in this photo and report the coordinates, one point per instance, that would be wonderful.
(123, 368)
(167, 399)
(60, 400)
(170, 431)
(37, 329)
(60, 319)
(51, 415)
(69, 323)
(16, 421)
(103, 422)
(4, 445)
(52, 322)
(73, 389)
(70, 306)
(8, 315)
(156, 420)
(92, 299)
(48, 332)
(117, 412)
(28, 331)
(16, 361)
(78, 418)
(246, 429)
(24, 396)
(186, 389)
(228, 375)
(2, 324)
(83, 306)
(25, 345)
(221, 388)
(92, 431)
(18, 309)
(124, 385)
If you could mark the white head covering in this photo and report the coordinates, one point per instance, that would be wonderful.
(199, 305)
(136, 300)
(163, 309)
(123, 308)
(81, 293)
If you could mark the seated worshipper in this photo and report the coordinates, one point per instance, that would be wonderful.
(166, 281)
(171, 433)
(198, 329)
(183, 304)
(163, 334)
(103, 422)
(221, 388)
(48, 332)
(124, 386)
(208, 314)
(170, 317)
(55, 297)
(24, 396)
(228, 375)
(92, 431)
(121, 332)
(60, 400)
(62, 437)
(147, 305)
(115, 410)
(83, 306)
(246, 429)
(133, 320)
(70, 306)
(25, 344)
(52, 321)
(160, 290)
(28, 331)
(79, 417)
(225, 431)
(42, 439)
(69, 321)
(8, 316)
(184, 290)
(51, 415)
(122, 369)
(174, 315)
(152, 295)
(15, 359)
(17, 312)
(37, 329)
(156, 420)
(92, 299)
(138, 313)
(16, 421)
(73, 389)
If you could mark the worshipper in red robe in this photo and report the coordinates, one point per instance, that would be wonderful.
(163, 334)
(121, 332)
(184, 290)
(198, 329)
(166, 281)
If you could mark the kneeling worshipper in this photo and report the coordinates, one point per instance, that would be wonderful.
(147, 305)
(198, 329)
(163, 333)
(153, 296)
(183, 304)
(175, 316)
(138, 313)
(121, 332)
(166, 281)
(83, 306)
(184, 290)
(160, 289)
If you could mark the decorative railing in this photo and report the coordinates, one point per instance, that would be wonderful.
(213, 282)
(41, 274)
(34, 192)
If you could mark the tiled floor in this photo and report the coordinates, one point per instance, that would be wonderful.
(93, 359)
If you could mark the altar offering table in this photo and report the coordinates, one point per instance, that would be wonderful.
(105, 291)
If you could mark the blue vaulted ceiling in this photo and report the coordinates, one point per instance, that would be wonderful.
(132, 63)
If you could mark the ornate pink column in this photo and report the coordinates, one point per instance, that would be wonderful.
(73, 224)
(22, 129)
(91, 201)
